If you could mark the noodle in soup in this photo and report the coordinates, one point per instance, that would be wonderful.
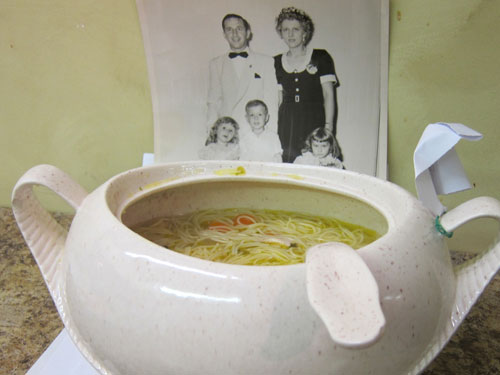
(251, 237)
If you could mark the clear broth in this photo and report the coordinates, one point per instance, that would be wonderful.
(251, 236)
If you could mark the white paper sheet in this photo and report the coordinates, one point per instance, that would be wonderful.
(438, 169)
(62, 358)
(148, 159)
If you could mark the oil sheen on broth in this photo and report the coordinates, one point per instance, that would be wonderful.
(251, 237)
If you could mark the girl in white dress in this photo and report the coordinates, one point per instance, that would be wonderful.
(321, 148)
(222, 142)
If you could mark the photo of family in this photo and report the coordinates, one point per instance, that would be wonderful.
(268, 82)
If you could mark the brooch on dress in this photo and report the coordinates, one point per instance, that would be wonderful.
(311, 68)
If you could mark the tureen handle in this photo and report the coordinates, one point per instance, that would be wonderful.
(44, 236)
(344, 293)
(472, 276)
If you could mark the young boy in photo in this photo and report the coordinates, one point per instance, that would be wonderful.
(261, 143)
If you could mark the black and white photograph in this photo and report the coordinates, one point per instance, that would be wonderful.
(302, 82)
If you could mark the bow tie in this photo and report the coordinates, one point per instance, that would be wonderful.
(232, 55)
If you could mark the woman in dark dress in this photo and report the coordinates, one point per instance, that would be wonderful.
(307, 83)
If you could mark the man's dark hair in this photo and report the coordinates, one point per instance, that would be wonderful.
(232, 15)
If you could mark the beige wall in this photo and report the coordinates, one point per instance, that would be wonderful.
(74, 91)
(445, 66)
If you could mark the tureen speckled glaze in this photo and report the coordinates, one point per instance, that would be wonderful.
(133, 307)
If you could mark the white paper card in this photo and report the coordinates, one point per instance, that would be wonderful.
(148, 159)
(438, 169)
(62, 358)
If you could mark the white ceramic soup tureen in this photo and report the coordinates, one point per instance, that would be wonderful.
(133, 307)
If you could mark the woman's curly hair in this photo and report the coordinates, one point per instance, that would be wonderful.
(292, 13)
(212, 136)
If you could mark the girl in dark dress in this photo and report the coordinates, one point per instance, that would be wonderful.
(307, 83)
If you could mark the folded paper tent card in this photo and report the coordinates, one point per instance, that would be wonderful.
(438, 169)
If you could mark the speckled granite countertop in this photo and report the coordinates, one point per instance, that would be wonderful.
(29, 321)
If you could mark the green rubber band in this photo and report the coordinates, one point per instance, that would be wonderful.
(440, 228)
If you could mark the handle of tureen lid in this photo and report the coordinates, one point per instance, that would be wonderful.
(44, 236)
(472, 276)
(344, 293)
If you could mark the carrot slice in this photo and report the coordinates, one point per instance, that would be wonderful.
(219, 226)
(244, 219)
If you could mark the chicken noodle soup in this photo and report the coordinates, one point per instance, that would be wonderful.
(251, 237)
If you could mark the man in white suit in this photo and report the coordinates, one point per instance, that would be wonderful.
(241, 75)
